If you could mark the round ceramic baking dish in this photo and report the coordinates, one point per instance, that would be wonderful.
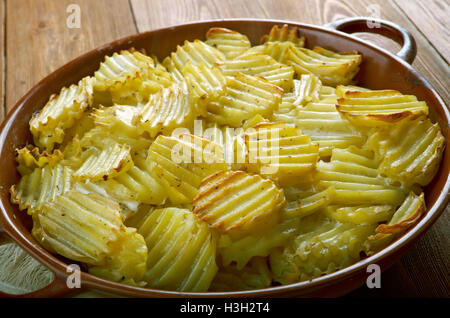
(380, 69)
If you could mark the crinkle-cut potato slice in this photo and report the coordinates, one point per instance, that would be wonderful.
(127, 207)
(410, 152)
(129, 64)
(121, 66)
(41, 186)
(297, 102)
(227, 138)
(255, 275)
(180, 163)
(283, 34)
(276, 50)
(244, 97)
(182, 251)
(118, 123)
(328, 247)
(117, 118)
(137, 219)
(241, 250)
(307, 89)
(82, 125)
(196, 52)
(360, 214)
(202, 81)
(332, 68)
(340, 90)
(354, 175)
(130, 76)
(127, 262)
(326, 127)
(105, 162)
(378, 108)
(60, 113)
(166, 110)
(229, 42)
(79, 226)
(328, 93)
(29, 158)
(407, 215)
(286, 111)
(262, 65)
(238, 203)
(301, 203)
(134, 186)
(281, 153)
(134, 91)
(255, 120)
(97, 136)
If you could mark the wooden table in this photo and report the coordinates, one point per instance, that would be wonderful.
(36, 41)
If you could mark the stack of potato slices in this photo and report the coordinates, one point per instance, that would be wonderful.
(226, 166)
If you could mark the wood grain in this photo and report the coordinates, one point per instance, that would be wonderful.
(2, 60)
(39, 41)
(432, 18)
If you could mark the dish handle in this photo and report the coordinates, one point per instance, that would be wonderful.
(57, 288)
(371, 25)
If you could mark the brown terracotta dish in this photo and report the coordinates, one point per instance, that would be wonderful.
(380, 69)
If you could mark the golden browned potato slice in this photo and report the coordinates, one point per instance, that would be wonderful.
(404, 217)
(129, 77)
(80, 227)
(28, 158)
(283, 34)
(182, 251)
(238, 202)
(281, 153)
(332, 68)
(353, 174)
(179, 164)
(196, 52)
(259, 64)
(41, 186)
(360, 214)
(230, 43)
(326, 127)
(323, 247)
(203, 82)
(379, 108)
(410, 152)
(240, 251)
(60, 113)
(304, 202)
(244, 97)
(169, 108)
(127, 263)
(105, 162)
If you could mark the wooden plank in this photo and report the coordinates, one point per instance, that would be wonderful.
(2, 62)
(152, 14)
(39, 39)
(431, 18)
